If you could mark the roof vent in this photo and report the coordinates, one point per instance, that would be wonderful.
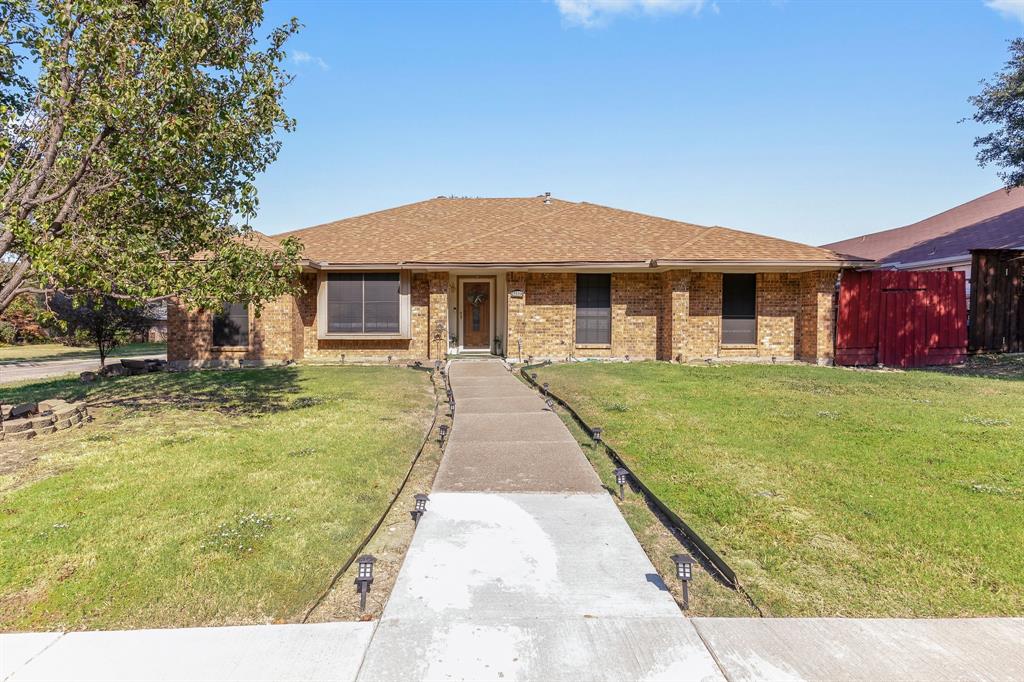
(547, 197)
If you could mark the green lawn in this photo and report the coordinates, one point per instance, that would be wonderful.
(830, 492)
(40, 352)
(200, 498)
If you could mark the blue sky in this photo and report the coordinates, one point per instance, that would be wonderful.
(811, 121)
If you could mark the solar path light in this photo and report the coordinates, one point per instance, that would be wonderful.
(597, 434)
(364, 577)
(442, 433)
(684, 571)
(451, 406)
(545, 387)
(533, 375)
(550, 403)
(620, 478)
(419, 507)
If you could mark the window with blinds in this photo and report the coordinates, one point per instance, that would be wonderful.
(739, 309)
(593, 309)
(231, 325)
(359, 303)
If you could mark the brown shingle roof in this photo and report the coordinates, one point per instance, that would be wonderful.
(529, 231)
(992, 221)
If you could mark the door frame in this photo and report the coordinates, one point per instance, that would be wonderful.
(492, 287)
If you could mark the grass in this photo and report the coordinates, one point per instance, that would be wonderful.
(830, 492)
(41, 352)
(201, 498)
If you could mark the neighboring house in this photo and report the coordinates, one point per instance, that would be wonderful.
(156, 317)
(944, 241)
(530, 278)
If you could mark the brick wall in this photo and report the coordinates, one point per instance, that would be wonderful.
(271, 335)
(703, 328)
(674, 315)
(778, 310)
(815, 328)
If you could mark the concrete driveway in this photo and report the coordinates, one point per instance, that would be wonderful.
(34, 369)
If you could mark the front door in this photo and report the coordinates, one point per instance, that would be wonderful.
(476, 315)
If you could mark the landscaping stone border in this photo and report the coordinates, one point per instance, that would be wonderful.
(48, 417)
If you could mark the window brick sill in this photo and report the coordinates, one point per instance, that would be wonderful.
(594, 346)
(230, 349)
(739, 346)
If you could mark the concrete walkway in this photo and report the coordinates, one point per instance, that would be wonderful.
(44, 369)
(523, 568)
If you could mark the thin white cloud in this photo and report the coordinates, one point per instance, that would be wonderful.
(301, 57)
(599, 12)
(1012, 9)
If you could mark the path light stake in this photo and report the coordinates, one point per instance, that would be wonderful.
(419, 507)
(364, 578)
(442, 433)
(545, 387)
(597, 434)
(684, 571)
(620, 478)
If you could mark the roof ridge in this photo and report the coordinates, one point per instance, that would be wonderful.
(488, 233)
(700, 235)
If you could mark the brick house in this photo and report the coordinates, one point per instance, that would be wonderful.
(532, 277)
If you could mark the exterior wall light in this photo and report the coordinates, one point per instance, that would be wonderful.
(597, 434)
(419, 507)
(620, 478)
(364, 577)
(684, 571)
(442, 433)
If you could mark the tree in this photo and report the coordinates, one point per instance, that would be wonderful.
(105, 322)
(132, 134)
(1001, 103)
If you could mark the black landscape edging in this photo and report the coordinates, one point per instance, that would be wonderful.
(709, 554)
(376, 527)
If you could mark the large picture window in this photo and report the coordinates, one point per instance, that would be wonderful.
(739, 309)
(593, 309)
(359, 303)
(231, 325)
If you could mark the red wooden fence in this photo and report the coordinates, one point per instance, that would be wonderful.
(902, 319)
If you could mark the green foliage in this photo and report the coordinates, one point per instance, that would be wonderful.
(1001, 104)
(129, 158)
(104, 322)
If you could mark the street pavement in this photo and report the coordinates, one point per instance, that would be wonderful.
(44, 369)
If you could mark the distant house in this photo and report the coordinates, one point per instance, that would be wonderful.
(524, 278)
(945, 241)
